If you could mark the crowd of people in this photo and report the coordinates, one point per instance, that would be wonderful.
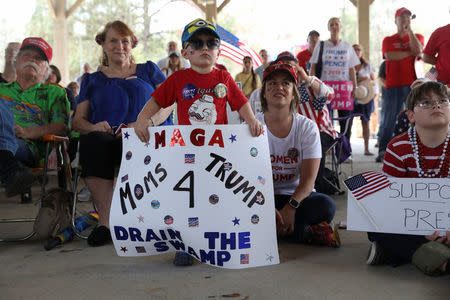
(291, 96)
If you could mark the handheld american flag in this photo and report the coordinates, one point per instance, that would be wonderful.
(232, 48)
(432, 74)
(366, 183)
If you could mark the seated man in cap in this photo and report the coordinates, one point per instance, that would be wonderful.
(29, 110)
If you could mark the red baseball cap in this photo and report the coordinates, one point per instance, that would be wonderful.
(286, 55)
(40, 44)
(401, 11)
(279, 66)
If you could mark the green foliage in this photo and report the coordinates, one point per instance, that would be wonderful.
(41, 23)
(91, 17)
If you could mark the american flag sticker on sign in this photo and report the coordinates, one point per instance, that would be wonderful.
(189, 158)
(140, 249)
(193, 222)
(366, 183)
(244, 259)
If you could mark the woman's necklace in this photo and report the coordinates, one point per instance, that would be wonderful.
(114, 73)
(418, 153)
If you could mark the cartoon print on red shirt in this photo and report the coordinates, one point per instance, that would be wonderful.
(203, 111)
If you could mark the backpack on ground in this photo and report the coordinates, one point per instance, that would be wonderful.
(55, 213)
(328, 183)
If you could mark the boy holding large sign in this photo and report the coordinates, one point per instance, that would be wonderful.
(421, 152)
(201, 92)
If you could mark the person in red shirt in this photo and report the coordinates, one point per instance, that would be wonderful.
(304, 56)
(421, 152)
(202, 91)
(400, 51)
(437, 52)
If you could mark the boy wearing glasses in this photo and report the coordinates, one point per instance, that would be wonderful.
(202, 91)
(423, 151)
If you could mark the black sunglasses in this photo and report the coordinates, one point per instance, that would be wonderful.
(198, 44)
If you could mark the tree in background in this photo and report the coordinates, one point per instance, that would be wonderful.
(93, 15)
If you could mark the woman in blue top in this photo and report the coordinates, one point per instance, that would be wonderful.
(112, 96)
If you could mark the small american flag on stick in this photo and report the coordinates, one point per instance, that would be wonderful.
(432, 74)
(366, 183)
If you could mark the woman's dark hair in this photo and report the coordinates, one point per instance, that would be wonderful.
(254, 83)
(423, 90)
(122, 29)
(57, 73)
(294, 103)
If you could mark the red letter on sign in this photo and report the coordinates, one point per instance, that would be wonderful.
(198, 137)
(177, 138)
(216, 138)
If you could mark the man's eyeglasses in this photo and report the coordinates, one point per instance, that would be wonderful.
(198, 44)
(430, 104)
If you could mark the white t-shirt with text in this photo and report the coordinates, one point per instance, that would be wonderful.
(336, 60)
(287, 154)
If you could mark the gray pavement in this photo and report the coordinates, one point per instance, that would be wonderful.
(76, 271)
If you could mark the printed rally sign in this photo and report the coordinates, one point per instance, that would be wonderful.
(417, 206)
(342, 94)
(205, 190)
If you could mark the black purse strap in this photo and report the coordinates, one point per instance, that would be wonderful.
(319, 62)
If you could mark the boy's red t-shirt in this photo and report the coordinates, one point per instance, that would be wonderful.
(401, 72)
(201, 98)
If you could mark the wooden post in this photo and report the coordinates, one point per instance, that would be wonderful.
(209, 7)
(363, 7)
(364, 25)
(60, 57)
(60, 52)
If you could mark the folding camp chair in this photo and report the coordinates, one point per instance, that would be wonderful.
(339, 150)
(65, 181)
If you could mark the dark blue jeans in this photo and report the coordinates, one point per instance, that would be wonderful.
(393, 103)
(399, 247)
(314, 209)
(8, 140)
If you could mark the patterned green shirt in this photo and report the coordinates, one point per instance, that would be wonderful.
(39, 105)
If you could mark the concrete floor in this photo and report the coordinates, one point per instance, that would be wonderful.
(76, 271)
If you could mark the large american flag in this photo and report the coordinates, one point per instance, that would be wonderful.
(316, 110)
(232, 48)
(366, 183)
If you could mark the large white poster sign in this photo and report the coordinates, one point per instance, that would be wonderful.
(377, 203)
(205, 190)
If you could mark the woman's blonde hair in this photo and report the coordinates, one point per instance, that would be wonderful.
(334, 18)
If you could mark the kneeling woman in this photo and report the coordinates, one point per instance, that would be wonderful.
(302, 214)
